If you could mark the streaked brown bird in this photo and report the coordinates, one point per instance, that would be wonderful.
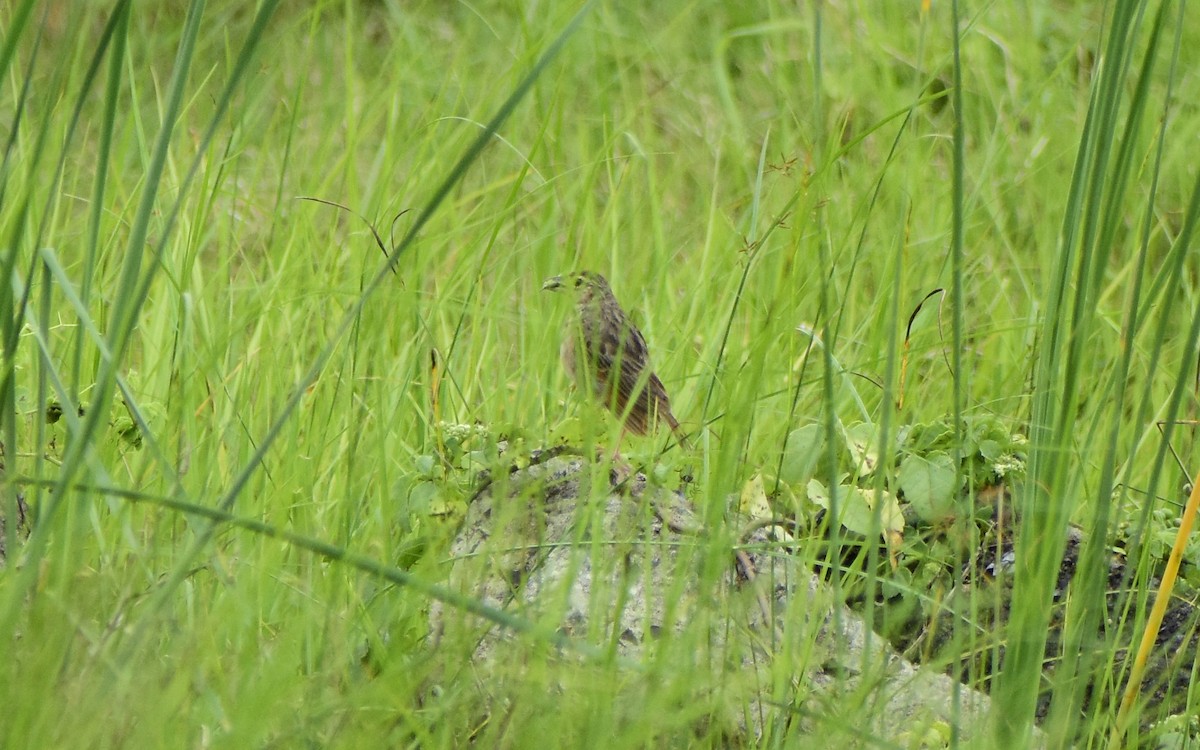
(604, 351)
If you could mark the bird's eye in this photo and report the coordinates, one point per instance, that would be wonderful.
(578, 281)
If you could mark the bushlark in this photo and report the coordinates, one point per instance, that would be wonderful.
(602, 350)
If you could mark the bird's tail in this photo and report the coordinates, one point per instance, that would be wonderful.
(677, 431)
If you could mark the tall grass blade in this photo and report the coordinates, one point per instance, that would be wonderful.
(1046, 501)
(229, 498)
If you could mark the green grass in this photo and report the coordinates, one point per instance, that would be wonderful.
(736, 170)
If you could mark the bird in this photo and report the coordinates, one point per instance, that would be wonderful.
(603, 350)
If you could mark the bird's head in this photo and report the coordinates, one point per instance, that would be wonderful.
(580, 281)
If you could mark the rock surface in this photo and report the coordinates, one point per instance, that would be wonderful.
(628, 567)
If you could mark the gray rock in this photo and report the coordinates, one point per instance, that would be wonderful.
(629, 571)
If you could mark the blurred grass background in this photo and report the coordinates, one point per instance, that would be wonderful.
(736, 170)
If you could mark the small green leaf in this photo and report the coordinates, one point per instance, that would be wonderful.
(421, 499)
(805, 446)
(859, 514)
(891, 515)
(855, 510)
(929, 485)
(817, 493)
(924, 438)
(753, 501)
(475, 460)
(863, 443)
(425, 465)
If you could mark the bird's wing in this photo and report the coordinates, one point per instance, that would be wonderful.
(623, 353)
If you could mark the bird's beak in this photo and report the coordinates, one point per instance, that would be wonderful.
(552, 283)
